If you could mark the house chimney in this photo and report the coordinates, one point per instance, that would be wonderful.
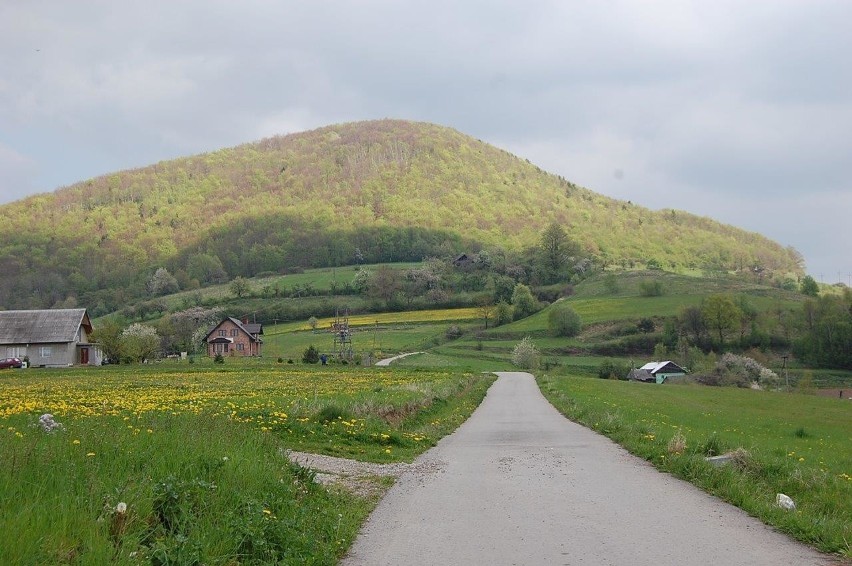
(245, 320)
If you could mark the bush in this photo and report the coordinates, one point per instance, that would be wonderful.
(564, 321)
(651, 288)
(523, 302)
(743, 372)
(311, 355)
(503, 313)
(453, 332)
(526, 355)
(218, 359)
(612, 370)
(646, 325)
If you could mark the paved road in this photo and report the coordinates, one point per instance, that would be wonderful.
(388, 361)
(520, 484)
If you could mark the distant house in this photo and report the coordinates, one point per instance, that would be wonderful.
(657, 372)
(49, 338)
(233, 337)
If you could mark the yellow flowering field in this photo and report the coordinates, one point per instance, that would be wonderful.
(127, 392)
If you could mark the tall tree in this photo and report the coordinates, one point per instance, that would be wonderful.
(809, 286)
(722, 315)
(553, 252)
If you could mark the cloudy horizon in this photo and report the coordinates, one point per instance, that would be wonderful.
(740, 112)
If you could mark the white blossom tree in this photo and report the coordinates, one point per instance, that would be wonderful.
(139, 342)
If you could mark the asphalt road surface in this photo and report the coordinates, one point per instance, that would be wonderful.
(520, 484)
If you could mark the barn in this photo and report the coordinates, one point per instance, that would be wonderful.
(49, 338)
(657, 372)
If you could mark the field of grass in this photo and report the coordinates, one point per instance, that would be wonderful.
(184, 464)
(793, 444)
(321, 279)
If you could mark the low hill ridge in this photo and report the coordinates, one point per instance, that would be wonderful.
(263, 206)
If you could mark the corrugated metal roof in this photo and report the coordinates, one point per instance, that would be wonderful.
(42, 326)
(654, 367)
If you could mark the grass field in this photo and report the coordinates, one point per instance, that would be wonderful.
(175, 464)
(798, 445)
(321, 279)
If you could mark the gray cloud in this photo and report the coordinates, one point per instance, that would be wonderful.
(739, 111)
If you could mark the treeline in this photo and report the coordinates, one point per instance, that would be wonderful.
(272, 243)
(827, 331)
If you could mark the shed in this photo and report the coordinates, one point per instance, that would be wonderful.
(663, 370)
(49, 338)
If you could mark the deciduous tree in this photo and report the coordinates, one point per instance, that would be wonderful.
(722, 315)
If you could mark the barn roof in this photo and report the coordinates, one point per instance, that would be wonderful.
(654, 367)
(42, 326)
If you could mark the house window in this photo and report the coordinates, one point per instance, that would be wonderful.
(240, 346)
(223, 333)
(16, 352)
(233, 332)
(45, 351)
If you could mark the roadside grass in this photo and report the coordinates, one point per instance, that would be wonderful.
(783, 443)
(196, 455)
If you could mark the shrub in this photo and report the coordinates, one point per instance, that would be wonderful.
(743, 371)
(651, 288)
(453, 332)
(525, 354)
(646, 325)
(612, 370)
(564, 321)
(218, 359)
(523, 302)
(311, 355)
(503, 313)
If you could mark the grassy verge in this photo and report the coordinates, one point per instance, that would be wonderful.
(170, 465)
(793, 444)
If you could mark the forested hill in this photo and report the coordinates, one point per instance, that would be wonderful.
(382, 190)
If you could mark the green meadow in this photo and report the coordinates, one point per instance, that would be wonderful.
(799, 445)
(186, 463)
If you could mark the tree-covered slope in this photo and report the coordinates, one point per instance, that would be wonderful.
(391, 190)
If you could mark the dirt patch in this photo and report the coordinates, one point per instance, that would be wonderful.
(366, 479)
(837, 393)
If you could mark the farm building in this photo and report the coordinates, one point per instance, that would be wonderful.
(233, 337)
(656, 372)
(49, 338)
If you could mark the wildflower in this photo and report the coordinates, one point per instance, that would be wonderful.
(90, 454)
(75, 441)
(121, 507)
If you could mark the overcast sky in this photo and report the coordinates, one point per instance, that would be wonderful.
(741, 111)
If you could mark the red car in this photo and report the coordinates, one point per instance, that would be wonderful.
(7, 363)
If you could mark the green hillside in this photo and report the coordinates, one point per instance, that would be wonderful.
(380, 191)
